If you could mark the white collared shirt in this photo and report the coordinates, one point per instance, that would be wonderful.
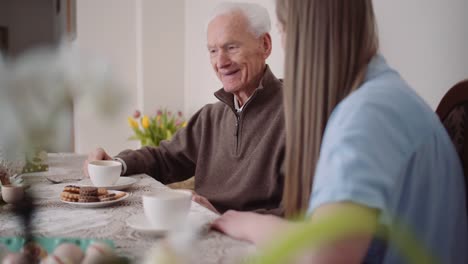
(236, 103)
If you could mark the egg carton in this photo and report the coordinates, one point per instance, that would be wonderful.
(15, 244)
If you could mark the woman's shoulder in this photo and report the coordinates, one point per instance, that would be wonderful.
(384, 87)
(385, 92)
(385, 103)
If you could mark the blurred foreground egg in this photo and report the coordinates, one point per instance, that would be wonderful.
(14, 258)
(98, 252)
(52, 259)
(69, 253)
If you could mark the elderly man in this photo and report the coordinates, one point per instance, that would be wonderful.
(234, 147)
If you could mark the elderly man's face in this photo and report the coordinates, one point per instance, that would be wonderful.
(237, 55)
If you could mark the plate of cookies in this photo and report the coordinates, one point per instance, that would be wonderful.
(91, 197)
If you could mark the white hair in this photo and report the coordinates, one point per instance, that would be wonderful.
(257, 16)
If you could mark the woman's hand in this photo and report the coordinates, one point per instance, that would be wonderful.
(248, 226)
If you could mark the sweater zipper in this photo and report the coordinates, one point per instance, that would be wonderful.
(237, 126)
(238, 121)
(237, 132)
(239, 117)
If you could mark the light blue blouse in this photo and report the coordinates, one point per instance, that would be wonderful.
(384, 148)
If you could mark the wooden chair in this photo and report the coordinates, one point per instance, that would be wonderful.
(453, 112)
(188, 184)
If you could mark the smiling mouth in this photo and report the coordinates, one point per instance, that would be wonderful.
(231, 73)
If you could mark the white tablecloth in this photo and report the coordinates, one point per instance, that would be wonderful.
(57, 219)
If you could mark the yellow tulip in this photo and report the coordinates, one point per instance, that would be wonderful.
(132, 122)
(145, 122)
(184, 124)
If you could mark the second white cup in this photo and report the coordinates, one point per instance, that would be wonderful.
(167, 209)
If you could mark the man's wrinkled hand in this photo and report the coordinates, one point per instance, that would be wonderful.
(203, 202)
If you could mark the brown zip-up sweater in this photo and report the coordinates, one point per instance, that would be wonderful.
(236, 160)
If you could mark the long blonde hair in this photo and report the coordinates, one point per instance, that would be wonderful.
(329, 44)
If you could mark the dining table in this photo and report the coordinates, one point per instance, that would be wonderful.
(57, 219)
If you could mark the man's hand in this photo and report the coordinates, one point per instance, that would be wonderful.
(203, 202)
(98, 154)
(248, 226)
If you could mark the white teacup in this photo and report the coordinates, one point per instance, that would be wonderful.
(104, 172)
(167, 209)
(12, 193)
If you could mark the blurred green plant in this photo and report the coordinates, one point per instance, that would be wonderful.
(308, 235)
(36, 160)
(150, 131)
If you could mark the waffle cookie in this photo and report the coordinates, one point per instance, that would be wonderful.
(102, 191)
(107, 197)
(69, 200)
(88, 199)
(69, 197)
(120, 195)
(72, 189)
(89, 191)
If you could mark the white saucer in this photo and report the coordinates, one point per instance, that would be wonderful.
(121, 184)
(99, 204)
(140, 223)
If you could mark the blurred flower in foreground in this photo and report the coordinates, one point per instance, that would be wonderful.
(306, 236)
(178, 247)
(37, 93)
(155, 129)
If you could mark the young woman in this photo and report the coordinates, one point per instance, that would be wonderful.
(358, 137)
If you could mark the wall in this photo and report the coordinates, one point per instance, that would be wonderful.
(144, 42)
(163, 55)
(426, 41)
(107, 30)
